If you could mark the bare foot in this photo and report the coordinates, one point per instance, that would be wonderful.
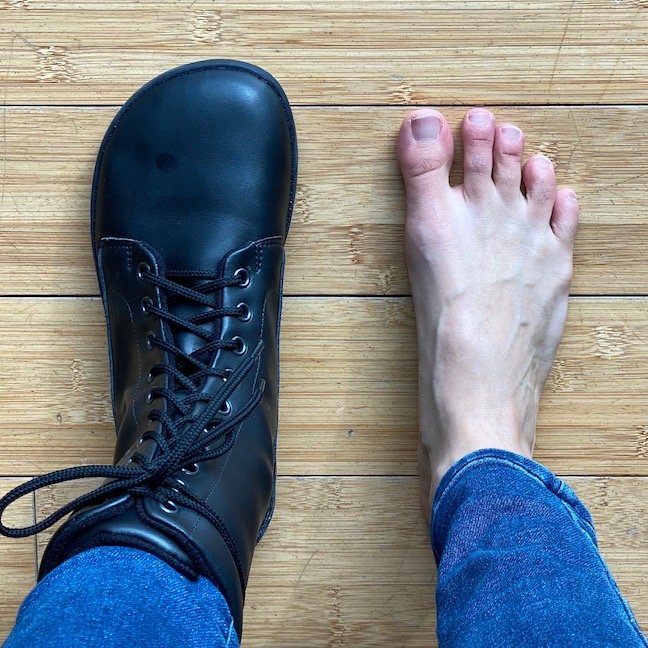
(490, 271)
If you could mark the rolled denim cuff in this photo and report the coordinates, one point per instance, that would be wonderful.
(496, 473)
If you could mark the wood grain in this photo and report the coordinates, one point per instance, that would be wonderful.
(348, 399)
(418, 52)
(346, 236)
(346, 560)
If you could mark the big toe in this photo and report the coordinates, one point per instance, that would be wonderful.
(424, 150)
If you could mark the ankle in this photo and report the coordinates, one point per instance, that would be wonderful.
(471, 439)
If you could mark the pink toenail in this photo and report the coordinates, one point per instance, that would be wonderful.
(543, 159)
(479, 118)
(426, 128)
(511, 133)
(572, 196)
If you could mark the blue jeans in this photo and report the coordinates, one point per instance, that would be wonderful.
(518, 562)
(518, 566)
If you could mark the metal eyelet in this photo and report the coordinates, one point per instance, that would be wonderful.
(143, 267)
(243, 276)
(228, 372)
(146, 303)
(225, 408)
(169, 506)
(191, 469)
(145, 437)
(150, 377)
(241, 346)
(180, 481)
(150, 336)
(150, 398)
(246, 316)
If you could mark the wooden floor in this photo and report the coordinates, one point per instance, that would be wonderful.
(346, 561)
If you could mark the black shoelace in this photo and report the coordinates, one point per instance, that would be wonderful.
(184, 439)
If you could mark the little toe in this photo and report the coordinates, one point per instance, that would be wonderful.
(564, 218)
(425, 151)
(540, 181)
(507, 159)
(478, 133)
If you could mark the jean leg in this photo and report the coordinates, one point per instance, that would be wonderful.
(518, 562)
(119, 596)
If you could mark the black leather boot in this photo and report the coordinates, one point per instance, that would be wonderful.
(191, 202)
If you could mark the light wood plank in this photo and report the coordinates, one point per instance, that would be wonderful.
(17, 558)
(346, 236)
(348, 400)
(67, 52)
(380, 26)
(346, 560)
(263, 7)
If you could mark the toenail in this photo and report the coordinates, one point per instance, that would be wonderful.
(479, 118)
(511, 133)
(572, 196)
(543, 159)
(426, 129)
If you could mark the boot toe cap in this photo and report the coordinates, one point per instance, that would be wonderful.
(203, 145)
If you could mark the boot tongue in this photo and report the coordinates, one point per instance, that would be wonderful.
(184, 308)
